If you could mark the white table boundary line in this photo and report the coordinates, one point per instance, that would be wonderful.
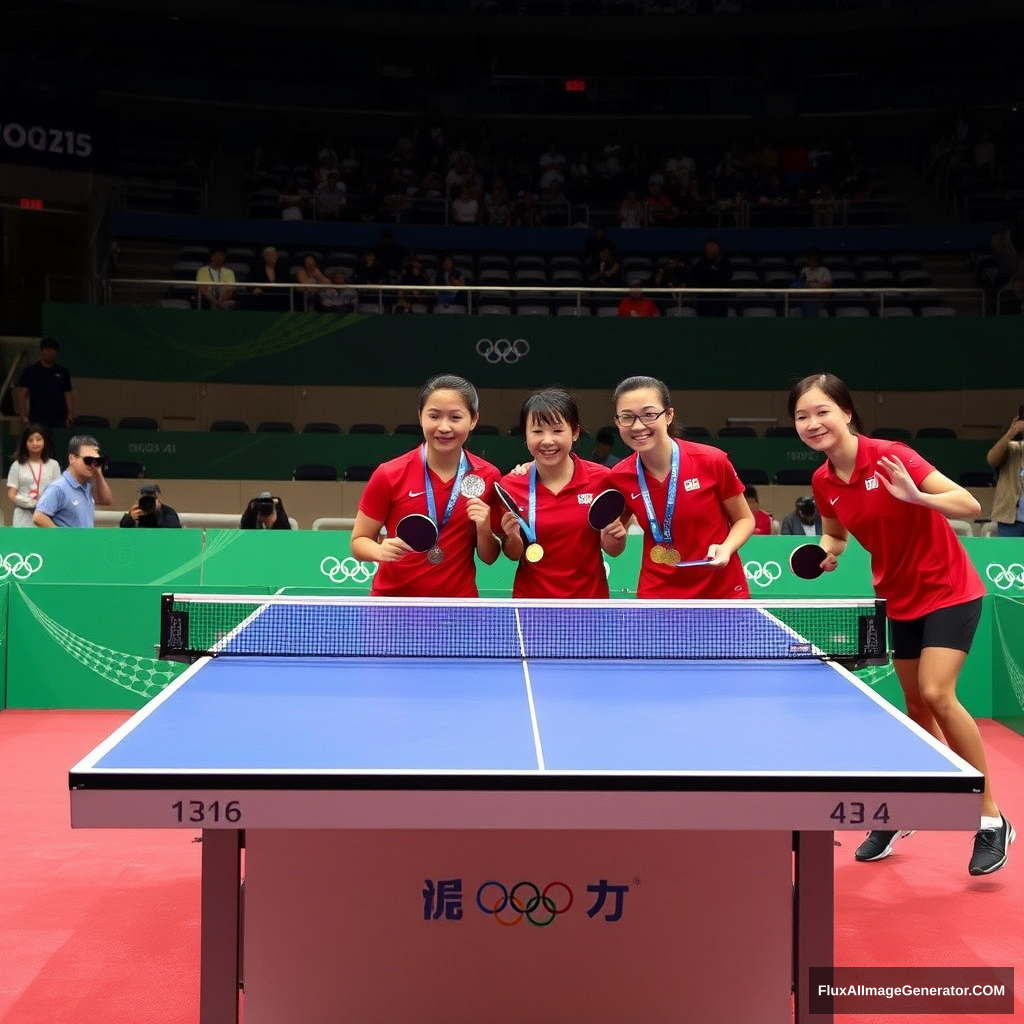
(534, 724)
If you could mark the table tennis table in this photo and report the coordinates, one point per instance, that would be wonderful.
(456, 811)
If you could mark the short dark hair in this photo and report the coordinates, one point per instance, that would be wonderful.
(751, 492)
(80, 441)
(550, 406)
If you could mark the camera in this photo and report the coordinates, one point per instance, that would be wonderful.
(264, 505)
(147, 504)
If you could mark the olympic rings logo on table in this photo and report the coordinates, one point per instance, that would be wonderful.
(540, 908)
(764, 574)
(502, 350)
(347, 570)
(18, 566)
(1006, 577)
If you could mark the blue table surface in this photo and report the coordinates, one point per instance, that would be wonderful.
(437, 715)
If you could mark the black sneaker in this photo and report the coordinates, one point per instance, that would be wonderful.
(878, 845)
(990, 848)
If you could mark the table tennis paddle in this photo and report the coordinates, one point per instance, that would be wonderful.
(605, 509)
(805, 561)
(418, 531)
(506, 499)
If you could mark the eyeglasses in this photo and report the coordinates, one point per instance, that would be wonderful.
(627, 419)
(93, 460)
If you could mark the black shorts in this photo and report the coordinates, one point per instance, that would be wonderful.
(952, 627)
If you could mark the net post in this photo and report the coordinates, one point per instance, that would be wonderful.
(174, 645)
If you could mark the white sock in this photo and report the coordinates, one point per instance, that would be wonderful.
(994, 823)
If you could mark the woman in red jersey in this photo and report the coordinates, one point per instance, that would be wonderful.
(560, 555)
(686, 497)
(429, 481)
(895, 504)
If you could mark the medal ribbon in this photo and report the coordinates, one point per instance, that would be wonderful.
(661, 534)
(431, 507)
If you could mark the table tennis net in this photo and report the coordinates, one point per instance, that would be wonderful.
(848, 631)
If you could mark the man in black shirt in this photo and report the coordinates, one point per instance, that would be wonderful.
(150, 511)
(712, 270)
(44, 390)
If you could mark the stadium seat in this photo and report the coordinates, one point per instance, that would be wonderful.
(485, 430)
(314, 471)
(408, 428)
(752, 477)
(229, 426)
(118, 469)
(961, 527)
(137, 423)
(321, 427)
(936, 432)
(781, 432)
(359, 473)
(737, 432)
(96, 422)
(275, 427)
(891, 433)
(794, 477)
(976, 478)
(367, 428)
(693, 433)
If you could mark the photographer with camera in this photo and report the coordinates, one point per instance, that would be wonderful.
(150, 511)
(1006, 457)
(265, 512)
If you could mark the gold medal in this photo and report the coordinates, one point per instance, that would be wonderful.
(435, 556)
(658, 553)
(671, 557)
(534, 553)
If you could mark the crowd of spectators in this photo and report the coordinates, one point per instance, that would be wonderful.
(427, 175)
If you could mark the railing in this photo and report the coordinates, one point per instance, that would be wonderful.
(671, 301)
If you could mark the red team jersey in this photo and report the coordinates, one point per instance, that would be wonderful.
(395, 490)
(573, 563)
(706, 479)
(917, 563)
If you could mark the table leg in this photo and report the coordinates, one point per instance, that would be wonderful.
(813, 925)
(219, 944)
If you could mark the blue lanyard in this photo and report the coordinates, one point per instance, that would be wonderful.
(660, 534)
(431, 507)
(529, 529)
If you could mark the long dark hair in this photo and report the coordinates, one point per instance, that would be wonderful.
(550, 406)
(835, 388)
(34, 428)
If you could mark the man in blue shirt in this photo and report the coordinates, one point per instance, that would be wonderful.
(71, 499)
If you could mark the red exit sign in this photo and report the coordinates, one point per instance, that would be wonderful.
(30, 204)
(575, 85)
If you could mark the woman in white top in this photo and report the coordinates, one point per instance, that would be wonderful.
(31, 472)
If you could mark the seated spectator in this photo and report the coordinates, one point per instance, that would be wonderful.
(712, 270)
(762, 520)
(294, 201)
(658, 207)
(596, 244)
(309, 274)
(605, 271)
(329, 197)
(604, 441)
(149, 511)
(402, 303)
(218, 281)
(450, 275)
(671, 273)
(369, 271)
(813, 275)
(497, 205)
(631, 212)
(636, 303)
(340, 298)
(268, 273)
(525, 213)
(804, 520)
(265, 512)
(465, 207)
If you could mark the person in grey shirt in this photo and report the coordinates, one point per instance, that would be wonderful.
(803, 521)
